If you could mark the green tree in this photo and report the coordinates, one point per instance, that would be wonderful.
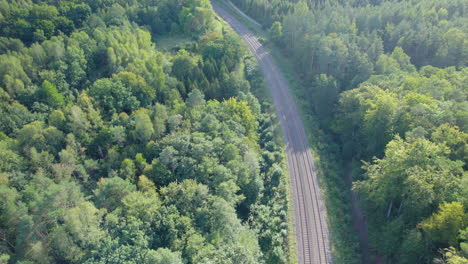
(110, 192)
(183, 66)
(443, 226)
(143, 126)
(230, 152)
(379, 121)
(37, 135)
(195, 98)
(168, 157)
(57, 119)
(48, 94)
(145, 93)
(159, 120)
(325, 94)
(165, 256)
(407, 176)
(412, 247)
(276, 32)
(453, 138)
(79, 232)
(451, 256)
(113, 96)
(127, 169)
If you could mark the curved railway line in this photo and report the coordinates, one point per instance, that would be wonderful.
(310, 215)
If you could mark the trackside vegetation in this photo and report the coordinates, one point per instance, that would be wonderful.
(387, 81)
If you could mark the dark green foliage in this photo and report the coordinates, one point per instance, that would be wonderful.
(345, 38)
(110, 192)
(13, 116)
(325, 95)
(33, 22)
(113, 96)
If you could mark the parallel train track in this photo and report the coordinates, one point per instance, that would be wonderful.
(312, 234)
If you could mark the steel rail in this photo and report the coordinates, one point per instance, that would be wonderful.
(310, 215)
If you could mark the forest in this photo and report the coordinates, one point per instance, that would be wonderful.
(116, 150)
(388, 82)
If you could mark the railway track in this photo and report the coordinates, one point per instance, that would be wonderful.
(310, 216)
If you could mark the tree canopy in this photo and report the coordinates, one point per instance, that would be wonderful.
(113, 150)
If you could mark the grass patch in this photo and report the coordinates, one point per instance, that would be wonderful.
(172, 42)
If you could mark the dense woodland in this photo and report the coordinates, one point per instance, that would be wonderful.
(388, 80)
(113, 151)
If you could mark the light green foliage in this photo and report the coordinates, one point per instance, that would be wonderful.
(230, 152)
(114, 152)
(127, 169)
(77, 64)
(240, 112)
(276, 31)
(57, 119)
(37, 135)
(174, 122)
(194, 196)
(196, 17)
(143, 127)
(164, 256)
(387, 104)
(413, 177)
(402, 59)
(48, 94)
(81, 229)
(451, 256)
(444, 226)
(12, 75)
(4, 258)
(131, 49)
(145, 184)
(454, 139)
(195, 98)
(345, 39)
(9, 159)
(138, 86)
(159, 120)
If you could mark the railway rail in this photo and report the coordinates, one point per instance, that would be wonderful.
(310, 215)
